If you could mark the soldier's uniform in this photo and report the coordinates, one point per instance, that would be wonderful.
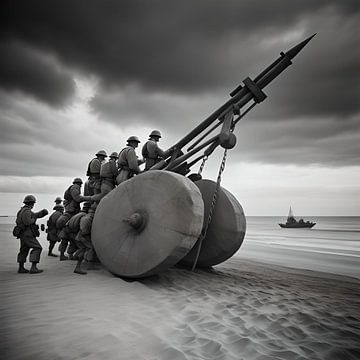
(83, 238)
(72, 228)
(52, 235)
(128, 162)
(108, 174)
(93, 185)
(26, 220)
(73, 198)
(151, 151)
(62, 233)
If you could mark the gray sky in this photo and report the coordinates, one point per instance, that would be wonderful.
(79, 76)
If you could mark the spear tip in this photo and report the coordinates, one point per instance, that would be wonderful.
(297, 48)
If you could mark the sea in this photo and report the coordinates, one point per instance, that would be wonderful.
(331, 246)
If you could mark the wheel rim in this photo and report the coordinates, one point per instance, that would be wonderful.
(226, 230)
(147, 223)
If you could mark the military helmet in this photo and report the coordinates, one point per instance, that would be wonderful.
(58, 207)
(114, 154)
(133, 138)
(102, 153)
(58, 199)
(77, 181)
(29, 199)
(155, 133)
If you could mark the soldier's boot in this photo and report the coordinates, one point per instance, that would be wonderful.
(63, 257)
(34, 269)
(50, 253)
(78, 269)
(22, 269)
(71, 257)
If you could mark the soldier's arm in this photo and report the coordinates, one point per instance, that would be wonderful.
(76, 195)
(160, 152)
(133, 161)
(153, 150)
(85, 225)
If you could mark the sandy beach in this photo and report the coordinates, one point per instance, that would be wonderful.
(239, 310)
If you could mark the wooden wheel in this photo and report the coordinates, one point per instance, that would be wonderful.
(226, 231)
(147, 224)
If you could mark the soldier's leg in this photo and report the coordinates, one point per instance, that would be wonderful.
(106, 187)
(80, 257)
(51, 248)
(90, 256)
(72, 248)
(62, 248)
(97, 186)
(34, 254)
(22, 255)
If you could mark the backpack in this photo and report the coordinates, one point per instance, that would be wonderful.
(144, 151)
(17, 231)
(67, 194)
(88, 172)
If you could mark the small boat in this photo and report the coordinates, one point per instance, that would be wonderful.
(291, 222)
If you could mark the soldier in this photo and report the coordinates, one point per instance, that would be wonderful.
(108, 174)
(151, 151)
(93, 172)
(51, 230)
(128, 162)
(58, 200)
(62, 234)
(86, 251)
(72, 228)
(29, 231)
(74, 198)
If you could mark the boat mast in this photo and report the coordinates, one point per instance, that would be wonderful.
(291, 215)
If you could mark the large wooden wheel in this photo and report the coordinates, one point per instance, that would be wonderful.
(147, 224)
(226, 231)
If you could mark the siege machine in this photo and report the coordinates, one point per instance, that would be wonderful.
(163, 217)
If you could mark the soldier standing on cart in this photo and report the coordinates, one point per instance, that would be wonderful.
(151, 151)
(108, 173)
(93, 184)
(128, 162)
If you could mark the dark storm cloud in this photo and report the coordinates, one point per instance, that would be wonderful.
(180, 46)
(24, 69)
(323, 142)
(169, 64)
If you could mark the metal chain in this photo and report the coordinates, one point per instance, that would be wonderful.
(212, 208)
(202, 165)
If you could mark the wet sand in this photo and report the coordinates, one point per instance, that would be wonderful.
(240, 310)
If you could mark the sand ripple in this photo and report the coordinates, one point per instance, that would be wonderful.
(240, 310)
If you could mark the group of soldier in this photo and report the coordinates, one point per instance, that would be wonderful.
(69, 224)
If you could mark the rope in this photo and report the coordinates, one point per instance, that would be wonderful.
(212, 206)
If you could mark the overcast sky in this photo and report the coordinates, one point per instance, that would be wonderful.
(80, 76)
